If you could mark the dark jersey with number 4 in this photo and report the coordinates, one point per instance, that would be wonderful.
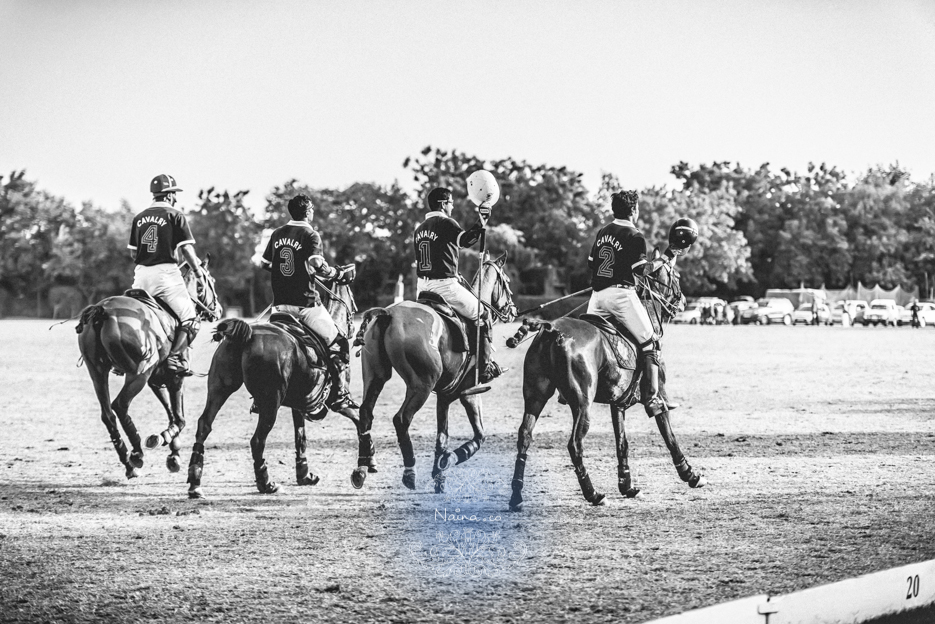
(287, 255)
(617, 247)
(437, 242)
(156, 234)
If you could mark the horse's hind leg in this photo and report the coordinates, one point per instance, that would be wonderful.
(580, 405)
(686, 474)
(221, 384)
(302, 474)
(416, 396)
(171, 400)
(268, 407)
(472, 406)
(101, 388)
(537, 390)
(624, 483)
(134, 383)
(442, 454)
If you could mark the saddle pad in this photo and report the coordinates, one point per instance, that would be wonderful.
(622, 345)
(160, 307)
(314, 345)
(459, 338)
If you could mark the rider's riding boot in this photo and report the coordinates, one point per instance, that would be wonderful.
(339, 363)
(177, 362)
(653, 402)
(488, 369)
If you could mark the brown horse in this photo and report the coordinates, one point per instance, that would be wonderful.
(133, 338)
(412, 339)
(572, 356)
(277, 370)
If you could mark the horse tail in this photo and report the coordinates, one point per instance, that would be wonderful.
(532, 326)
(382, 317)
(93, 315)
(237, 331)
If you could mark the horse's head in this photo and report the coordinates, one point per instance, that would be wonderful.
(495, 291)
(660, 290)
(203, 292)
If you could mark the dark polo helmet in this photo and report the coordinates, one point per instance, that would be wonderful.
(683, 233)
(163, 183)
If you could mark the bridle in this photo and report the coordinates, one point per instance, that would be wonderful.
(506, 312)
(205, 288)
(662, 298)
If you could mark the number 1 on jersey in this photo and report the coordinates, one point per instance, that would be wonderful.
(425, 256)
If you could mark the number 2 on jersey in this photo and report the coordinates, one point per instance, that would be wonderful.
(607, 266)
(151, 238)
(425, 256)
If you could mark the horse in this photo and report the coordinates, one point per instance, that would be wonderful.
(412, 339)
(572, 356)
(277, 370)
(133, 338)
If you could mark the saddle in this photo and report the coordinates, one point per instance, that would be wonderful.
(157, 305)
(317, 356)
(460, 341)
(618, 338)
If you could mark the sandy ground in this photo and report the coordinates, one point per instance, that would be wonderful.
(818, 444)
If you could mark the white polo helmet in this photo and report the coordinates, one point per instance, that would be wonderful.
(482, 187)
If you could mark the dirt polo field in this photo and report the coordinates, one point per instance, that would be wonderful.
(818, 444)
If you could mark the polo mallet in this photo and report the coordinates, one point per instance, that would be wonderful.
(484, 192)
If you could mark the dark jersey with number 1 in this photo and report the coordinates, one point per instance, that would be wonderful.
(287, 254)
(156, 234)
(617, 247)
(437, 242)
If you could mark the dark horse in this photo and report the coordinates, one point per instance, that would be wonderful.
(278, 370)
(572, 356)
(413, 339)
(133, 338)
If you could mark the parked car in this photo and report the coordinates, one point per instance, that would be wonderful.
(805, 315)
(739, 306)
(691, 314)
(702, 310)
(881, 311)
(855, 311)
(926, 314)
(769, 310)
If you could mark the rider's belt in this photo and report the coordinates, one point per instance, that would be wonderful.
(439, 279)
(630, 286)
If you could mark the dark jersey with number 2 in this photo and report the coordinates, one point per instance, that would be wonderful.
(437, 242)
(156, 234)
(617, 247)
(287, 255)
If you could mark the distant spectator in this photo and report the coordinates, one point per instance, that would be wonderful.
(914, 307)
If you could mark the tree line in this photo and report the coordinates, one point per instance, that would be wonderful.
(759, 229)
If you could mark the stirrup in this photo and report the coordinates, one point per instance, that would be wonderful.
(493, 371)
(655, 406)
(174, 366)
(343, 401)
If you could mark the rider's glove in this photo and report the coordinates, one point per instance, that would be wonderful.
(327, 272)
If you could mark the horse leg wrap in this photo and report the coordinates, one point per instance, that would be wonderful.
(196, 466)
(262, 475)
(519, 471)
(584, 480)
(684, 469)
(366, 450)
(302, 474)
(466, 451)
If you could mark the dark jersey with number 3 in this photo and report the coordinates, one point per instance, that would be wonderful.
(287, 255)
(617, 247)
(156, 234)
(437, 242)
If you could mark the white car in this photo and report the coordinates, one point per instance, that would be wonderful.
(803, 314)
(926, 314)
(881, 312)
(691, 314)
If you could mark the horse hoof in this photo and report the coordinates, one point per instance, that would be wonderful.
(310, 479)
(516, 508)
(195, 494)
(440, 484)
(598, 500)
(633, 493)
(697, 481)
(444, 461)
(152, 441)
(270, 488)
(136, 459)
(132, 472)
(172, 463)
(371, 469)
(358, 477)
(409, 480)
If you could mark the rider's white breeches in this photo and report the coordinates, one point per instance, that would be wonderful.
(316, 318)
(165, 281)
(458, 297)
(625, 306)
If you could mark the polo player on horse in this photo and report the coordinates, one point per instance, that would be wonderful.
(617, 257)
(438, 242)
(157, 235)
(294, 256)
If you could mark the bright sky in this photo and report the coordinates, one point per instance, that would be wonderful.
(97, 97)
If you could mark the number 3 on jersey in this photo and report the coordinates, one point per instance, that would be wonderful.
(425, 256)
(287, 266)
(607, 266)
